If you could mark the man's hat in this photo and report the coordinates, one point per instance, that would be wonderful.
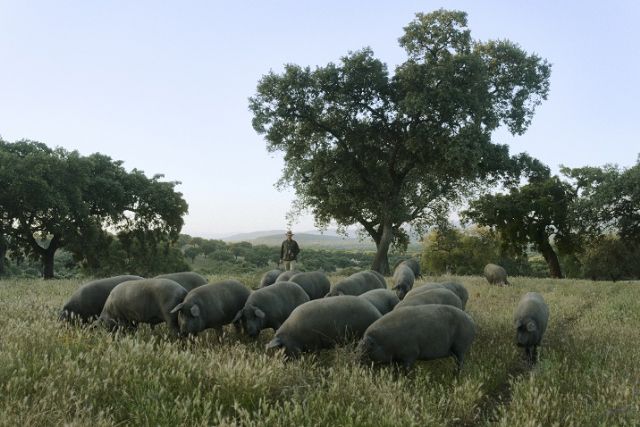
(289, 233)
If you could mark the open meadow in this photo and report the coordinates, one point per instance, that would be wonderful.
(588, 375)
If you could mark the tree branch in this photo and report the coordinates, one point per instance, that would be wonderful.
(368, 226)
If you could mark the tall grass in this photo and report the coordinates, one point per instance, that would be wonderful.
(589, 372)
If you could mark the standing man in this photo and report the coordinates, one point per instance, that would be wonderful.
(289, 252)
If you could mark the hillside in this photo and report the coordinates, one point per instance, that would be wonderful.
(317, 242)
(248, 237)
(328, 240)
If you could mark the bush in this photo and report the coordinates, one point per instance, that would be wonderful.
(466, 251)
(571, 266)
(611, 258)
(243, 257)
(538, 267)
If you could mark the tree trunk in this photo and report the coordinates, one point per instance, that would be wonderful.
(47, 263)
(551, 258)
(47, 255)
(3, 253)
(381, 260)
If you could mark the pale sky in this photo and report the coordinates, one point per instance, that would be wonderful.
(164, 86)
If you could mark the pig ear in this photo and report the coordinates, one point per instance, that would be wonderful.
(260, 313)
(394, 288)
(238, 317)
(531, 326)
(518, 323)
(195, 311)
(177, 308)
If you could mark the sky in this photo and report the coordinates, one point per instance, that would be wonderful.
(164, 86)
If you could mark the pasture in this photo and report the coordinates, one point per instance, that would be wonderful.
(588, 374)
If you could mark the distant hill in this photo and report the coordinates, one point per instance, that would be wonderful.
(248, 237)
(315, 241)
(311, 240)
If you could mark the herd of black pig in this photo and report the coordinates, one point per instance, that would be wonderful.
(307, 313)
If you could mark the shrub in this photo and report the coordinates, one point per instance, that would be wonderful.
(450, 250)
(611, 258)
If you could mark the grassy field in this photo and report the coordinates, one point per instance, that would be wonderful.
(588, 375)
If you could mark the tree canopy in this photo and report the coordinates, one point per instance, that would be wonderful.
(466, 251)
(53, 198)
(539, 213)
(609, 200)
(581, 215)
(365, 147)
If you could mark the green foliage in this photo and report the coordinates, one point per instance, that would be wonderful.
(588, 225)
(216, 256)
(52, 199)
(55, 374)
(192, 252)
(450, 250)
(243, 257)
(609, 200)
(365, 147)
(571, 265)
(211, 246)
(611, 258)
(538, 266)
(240, 249)
(259, 255)
(532, 214)
(64, 263)
(465, 251)
(134, 256)
(517, 265)
(444, 253)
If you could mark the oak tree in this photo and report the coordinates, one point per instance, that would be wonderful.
(365, 146)
(608, 200)
(538, 213)
(53, 198)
